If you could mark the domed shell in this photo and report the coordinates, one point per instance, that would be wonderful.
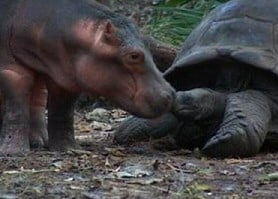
(243, 30)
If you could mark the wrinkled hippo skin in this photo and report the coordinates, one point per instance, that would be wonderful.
(51, 51)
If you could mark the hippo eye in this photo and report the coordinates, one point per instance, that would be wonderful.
(135, 57)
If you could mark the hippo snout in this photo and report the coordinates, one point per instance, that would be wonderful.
(161, 101)
(167, 99)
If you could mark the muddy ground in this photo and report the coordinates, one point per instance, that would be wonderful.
(104, 170)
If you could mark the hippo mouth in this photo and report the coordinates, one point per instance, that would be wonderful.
(152, 104)
(185, 111)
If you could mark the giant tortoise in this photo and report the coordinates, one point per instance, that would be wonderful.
(227, 83)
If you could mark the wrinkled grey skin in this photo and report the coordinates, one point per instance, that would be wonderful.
(230, 59)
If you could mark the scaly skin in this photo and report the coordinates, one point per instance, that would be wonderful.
(245, 125)
(135, 129)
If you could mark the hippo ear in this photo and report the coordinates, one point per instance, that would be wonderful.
(110, 33)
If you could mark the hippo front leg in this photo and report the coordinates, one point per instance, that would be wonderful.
(16, 84)
(60, 118)
(38, 136)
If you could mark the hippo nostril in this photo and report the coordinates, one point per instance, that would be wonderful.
(159, 101)
(167, 96)
(167, 99)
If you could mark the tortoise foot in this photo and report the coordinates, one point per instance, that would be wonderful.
(136, 129)
(244, 128)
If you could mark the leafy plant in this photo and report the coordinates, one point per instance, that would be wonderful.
(173, 20)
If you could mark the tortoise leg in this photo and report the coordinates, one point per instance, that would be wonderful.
(135, 129)
(244, 127)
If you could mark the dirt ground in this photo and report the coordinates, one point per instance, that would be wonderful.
(104, 170)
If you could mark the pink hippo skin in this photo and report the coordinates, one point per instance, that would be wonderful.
(51, 51)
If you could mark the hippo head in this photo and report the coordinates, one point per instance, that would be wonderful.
(115, 63)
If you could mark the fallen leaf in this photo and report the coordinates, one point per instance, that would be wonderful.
(73, 187)
(137, 171)
(227, 173)
(80, 152)
(145, 181)
(30, 171)
(237, 161)
(273, 176)
(58, 164)
(118, 152)
(107, 163)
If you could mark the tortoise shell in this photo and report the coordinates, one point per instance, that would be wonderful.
(243, 30)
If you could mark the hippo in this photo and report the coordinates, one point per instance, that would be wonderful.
(51, 51)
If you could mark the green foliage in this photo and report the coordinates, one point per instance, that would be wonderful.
(173, 20)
